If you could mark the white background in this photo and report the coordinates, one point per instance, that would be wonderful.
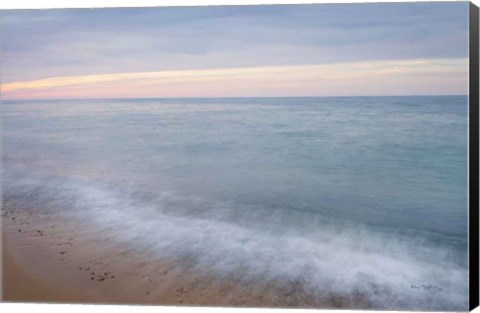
(43, 4)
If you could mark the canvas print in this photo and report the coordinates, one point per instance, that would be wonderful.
(303, 156)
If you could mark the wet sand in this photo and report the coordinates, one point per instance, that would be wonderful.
(44, 261)
(18, 285)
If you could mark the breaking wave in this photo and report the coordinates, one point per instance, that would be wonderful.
(254, 244)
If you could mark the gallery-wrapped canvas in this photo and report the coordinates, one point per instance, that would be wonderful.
(303, 156)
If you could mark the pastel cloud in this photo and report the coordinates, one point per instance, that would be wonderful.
(422, 76)
(61, 51)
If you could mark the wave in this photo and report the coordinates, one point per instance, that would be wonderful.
(255, 245)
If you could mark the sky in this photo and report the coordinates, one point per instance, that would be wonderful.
(236, 51)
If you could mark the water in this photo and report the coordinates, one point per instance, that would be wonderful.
(348, 194)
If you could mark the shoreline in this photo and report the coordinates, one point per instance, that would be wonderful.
(44, 261)
(58, 258)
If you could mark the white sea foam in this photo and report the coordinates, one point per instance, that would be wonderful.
(325, 258)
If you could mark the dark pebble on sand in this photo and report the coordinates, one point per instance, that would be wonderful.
(92, 278)
(19, 230)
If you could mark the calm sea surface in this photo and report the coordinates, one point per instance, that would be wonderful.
(346, 193)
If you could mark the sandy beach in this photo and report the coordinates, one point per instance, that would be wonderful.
(44, 262)
(19, 285)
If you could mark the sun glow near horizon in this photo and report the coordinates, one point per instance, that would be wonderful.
(391, 77)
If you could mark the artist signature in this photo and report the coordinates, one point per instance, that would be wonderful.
(427, 287)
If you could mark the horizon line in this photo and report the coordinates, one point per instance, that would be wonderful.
(416, 76)
(242, 97)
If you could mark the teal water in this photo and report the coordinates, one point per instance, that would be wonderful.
(346, 193)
